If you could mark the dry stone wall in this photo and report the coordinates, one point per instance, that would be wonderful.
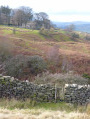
(79, 94)
(14, 88)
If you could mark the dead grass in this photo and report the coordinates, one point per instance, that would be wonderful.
(40, 114)
(14, 109)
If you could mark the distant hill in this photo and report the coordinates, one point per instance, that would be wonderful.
(79, 25)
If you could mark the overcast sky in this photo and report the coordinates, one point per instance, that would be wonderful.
(58, 10)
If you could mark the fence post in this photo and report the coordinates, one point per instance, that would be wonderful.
(55, 93)
(64, 92)
(14, 30)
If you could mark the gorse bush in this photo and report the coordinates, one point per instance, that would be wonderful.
(21, 65)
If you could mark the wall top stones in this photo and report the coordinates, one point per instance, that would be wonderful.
(76, 85)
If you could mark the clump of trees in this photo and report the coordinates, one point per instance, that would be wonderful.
(5, 15)
(41, 20)
(23, 16)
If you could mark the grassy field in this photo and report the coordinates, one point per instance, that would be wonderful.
(32, 110)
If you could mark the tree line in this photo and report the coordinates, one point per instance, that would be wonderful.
(24, 16)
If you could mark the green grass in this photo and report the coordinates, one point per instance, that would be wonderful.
(31, 104)
(62, 106)
(21, 31)
(62, 31)
(6, 32)
(59, 36)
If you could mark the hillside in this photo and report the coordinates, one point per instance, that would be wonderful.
(73, 53)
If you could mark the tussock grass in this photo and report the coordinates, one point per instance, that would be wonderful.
(32, 104)
(13, 104)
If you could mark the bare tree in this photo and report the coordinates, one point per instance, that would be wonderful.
(28, 15)
(0, 16)
(71, 27)
(22, 15)
(54, 55)
(18, 17)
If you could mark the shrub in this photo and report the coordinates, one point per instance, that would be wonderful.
(36, 64)
(75, 35)
(44, 31)
(60, 79)
(47, 32)
(87, 76)
(51, 30)
(21, 65)
(87, 37)
(14, 66)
